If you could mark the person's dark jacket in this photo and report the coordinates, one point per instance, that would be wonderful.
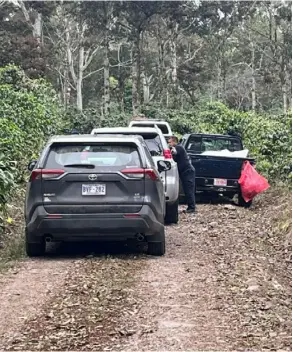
(182, 159)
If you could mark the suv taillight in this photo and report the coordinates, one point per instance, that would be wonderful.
(133, 172)
(167, 154)
(152, 174)
(139, 173)
(46, 174)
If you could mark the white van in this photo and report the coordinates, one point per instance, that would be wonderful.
(162, 125)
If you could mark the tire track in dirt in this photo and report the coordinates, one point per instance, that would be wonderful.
(219, 287)
(26, 288)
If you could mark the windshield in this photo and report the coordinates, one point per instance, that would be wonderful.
(100, 155)
(200, 144)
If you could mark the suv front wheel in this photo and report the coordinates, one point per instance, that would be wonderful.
(171, 216)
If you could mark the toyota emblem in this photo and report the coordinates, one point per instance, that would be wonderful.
(93, 177)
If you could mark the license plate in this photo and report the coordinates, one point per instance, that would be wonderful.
(220, 182)
(94, 190)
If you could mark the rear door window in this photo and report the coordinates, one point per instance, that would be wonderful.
(101, 155)
(218, 144)
(154, 144)
(163, 128)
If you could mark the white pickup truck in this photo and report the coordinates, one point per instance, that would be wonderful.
(162, 125)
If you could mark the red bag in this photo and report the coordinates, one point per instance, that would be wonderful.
(251, 182)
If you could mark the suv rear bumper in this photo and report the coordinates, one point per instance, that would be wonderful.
(75, 227)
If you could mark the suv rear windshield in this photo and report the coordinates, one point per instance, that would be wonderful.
(112, 156)
(162, 127)
(152, 141)
(200, 144)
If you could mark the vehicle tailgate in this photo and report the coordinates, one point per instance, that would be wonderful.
(217, 166)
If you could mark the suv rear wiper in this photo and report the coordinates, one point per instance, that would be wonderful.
(87, 166)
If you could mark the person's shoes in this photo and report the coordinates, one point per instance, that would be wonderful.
(190, 211)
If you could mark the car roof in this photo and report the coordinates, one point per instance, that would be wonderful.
(126, 130)
(150, 121)
(213, 135)
(94, 138)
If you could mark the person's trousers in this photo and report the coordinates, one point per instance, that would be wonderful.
(188, 184)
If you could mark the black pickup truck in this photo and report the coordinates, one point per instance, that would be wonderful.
(216, 174)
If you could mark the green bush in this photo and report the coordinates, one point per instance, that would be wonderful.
(29, 114)
(7, 181)
(90, 118)
(268, 138)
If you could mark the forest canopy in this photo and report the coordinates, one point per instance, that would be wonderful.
(126, 55)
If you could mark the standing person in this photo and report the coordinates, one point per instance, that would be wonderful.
(186, 172)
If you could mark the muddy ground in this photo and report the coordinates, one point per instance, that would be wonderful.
(224, 284)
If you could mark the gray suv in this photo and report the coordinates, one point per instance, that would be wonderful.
(86, 187)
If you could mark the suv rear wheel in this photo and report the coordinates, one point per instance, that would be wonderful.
(171, 216)
(35, 249)
(242, 202)
(157, 248)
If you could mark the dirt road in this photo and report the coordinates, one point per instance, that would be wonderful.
(223, 285)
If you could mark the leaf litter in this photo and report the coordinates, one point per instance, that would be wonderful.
(224, 284)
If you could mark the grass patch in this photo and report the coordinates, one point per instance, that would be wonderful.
(12, 237)
(276, 207)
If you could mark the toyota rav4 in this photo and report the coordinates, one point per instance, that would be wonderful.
(85, 187)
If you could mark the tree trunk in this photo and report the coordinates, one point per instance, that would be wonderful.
(146, 89)
(121, 84)
(173, 65)
(253, 83)
(174, 68)
(36, 25)
(79, 79)
(107, 11)
(283, 80)
(37, 28)
(138, 63)
(285, 97)
(219, 76)
(66, 89)
(253, 94)
(167, 99)
(106, 79)
(161, 68)
(134, 83)
(136, 73)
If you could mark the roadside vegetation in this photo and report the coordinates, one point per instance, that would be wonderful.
(218, 67)
(31, 113)
(203, 66)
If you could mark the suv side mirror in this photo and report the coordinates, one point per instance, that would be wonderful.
(32, 165)
(164, 165)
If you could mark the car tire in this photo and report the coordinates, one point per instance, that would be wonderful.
(242, 202)
(157, 248)
(171, 216)
(35, 249)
